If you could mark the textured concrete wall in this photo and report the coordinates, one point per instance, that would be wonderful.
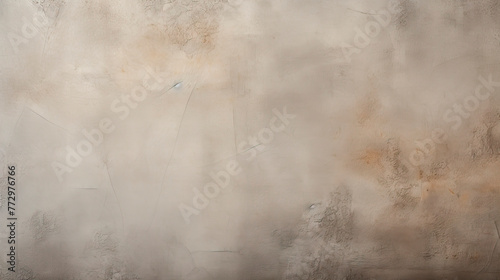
(238, 139)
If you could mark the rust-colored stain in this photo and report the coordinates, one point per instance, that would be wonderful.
(371, 157)
(297, 139)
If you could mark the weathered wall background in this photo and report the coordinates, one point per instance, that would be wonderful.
(386, 167)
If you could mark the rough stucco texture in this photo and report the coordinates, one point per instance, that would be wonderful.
(259, 140)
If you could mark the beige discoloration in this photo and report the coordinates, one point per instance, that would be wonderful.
(331, 195)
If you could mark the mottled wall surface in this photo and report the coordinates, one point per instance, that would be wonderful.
(239, 139)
